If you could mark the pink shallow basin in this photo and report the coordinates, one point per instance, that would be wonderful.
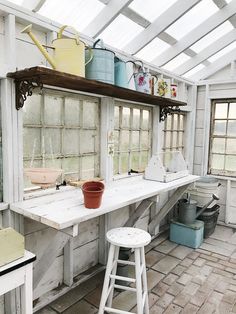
(46, 176)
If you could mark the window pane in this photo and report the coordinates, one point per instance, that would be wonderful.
(145, 124)
(53, 109)
(116, 164)
(32, 142)
(124, 140)
(90, 114)
(169, 122)
(88, 167)
(126, 117)
(87, 141)
(218, 145)
(144, 160)
(232, 110)
(71, 164)
(231, 128)
(135, 161)
(175, 122)
(71, 147)
(181, 138)
(145, 140)
(167, 139)
(230, 163)
(52, 141)
(124, 162)
(116, 139)
(135, 139)
(72, 112)
(221, 110)
(32, 110)
(231, 146)
(220, 127)
(174, 139)
(136, 118)
(218, 161)
(181, 122)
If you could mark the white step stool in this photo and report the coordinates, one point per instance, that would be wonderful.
(132, 238)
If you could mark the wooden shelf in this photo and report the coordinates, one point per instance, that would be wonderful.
(26, 79)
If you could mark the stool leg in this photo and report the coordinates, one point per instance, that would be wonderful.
(106, 279)
(138, 281)
(112, 282)
(144, 277)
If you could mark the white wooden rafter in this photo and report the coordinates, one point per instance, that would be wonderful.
(221, 43)
(105, 17)
(161, 23)
(220, 4)
(215, 66)
(140, 20)
(33, 5)
(200, 31)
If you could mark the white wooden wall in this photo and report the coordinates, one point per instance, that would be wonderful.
(23, 53)
(221, 85)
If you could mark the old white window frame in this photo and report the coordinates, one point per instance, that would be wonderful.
(120, 127)
(175, 129)
(221, 172)
(62, 126)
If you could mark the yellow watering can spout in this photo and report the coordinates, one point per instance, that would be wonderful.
(28, 30)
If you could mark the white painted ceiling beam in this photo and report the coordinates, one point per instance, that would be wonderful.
(220, 4)
(206, 53)
(33, 5)
(172, 14)
(215, 66)
(105, 17)
(200, 31)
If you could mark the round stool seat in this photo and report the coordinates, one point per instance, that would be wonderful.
(128, 237)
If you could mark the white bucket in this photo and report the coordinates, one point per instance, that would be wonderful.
(203, 190)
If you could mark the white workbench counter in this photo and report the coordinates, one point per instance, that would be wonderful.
(65, 209)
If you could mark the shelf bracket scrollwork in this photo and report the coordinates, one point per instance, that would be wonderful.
(24, 88)
(164, 111)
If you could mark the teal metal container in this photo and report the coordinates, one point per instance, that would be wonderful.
(189, 235)
(101, 68)
(121, 78)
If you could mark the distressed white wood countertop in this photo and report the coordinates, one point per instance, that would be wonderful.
(66, 209)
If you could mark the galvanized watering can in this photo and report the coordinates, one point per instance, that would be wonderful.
(121, 78)
(69, 53)
(188, 212)
(101, 68)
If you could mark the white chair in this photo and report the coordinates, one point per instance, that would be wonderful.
(132, 238)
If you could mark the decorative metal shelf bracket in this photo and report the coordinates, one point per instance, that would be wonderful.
(24, 88)
(164, 111)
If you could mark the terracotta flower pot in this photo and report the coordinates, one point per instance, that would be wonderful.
(92, 191)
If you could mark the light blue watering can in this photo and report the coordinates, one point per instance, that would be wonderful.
(121, 78)
(101, 68)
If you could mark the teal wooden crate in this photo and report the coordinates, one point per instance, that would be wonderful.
(189, 235)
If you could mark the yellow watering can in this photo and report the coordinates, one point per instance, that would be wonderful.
(69, 53)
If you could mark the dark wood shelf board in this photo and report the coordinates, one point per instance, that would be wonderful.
(51, 77)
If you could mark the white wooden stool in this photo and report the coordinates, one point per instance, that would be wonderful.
(132, 238)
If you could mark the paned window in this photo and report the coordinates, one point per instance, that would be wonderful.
(61, 130)
(222, 159)
(132, 135)
(174, 132)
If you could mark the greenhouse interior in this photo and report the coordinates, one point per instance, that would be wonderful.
(117, 156)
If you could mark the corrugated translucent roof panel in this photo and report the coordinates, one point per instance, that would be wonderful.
(177, 61)
(151, 9)
(18, 2)
(194, 70)
(77, 13)
(212, 37)
(153, 49)
(192, 19)
(222, 52)
(120, 32)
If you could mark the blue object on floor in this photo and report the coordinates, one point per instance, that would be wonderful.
(190, 235)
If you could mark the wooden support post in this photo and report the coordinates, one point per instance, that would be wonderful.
(143, 206)
(68, 262)
(167, 207)
(51, 252)
(103, 244)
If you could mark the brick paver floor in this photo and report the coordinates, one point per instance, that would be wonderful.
(180, 280)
